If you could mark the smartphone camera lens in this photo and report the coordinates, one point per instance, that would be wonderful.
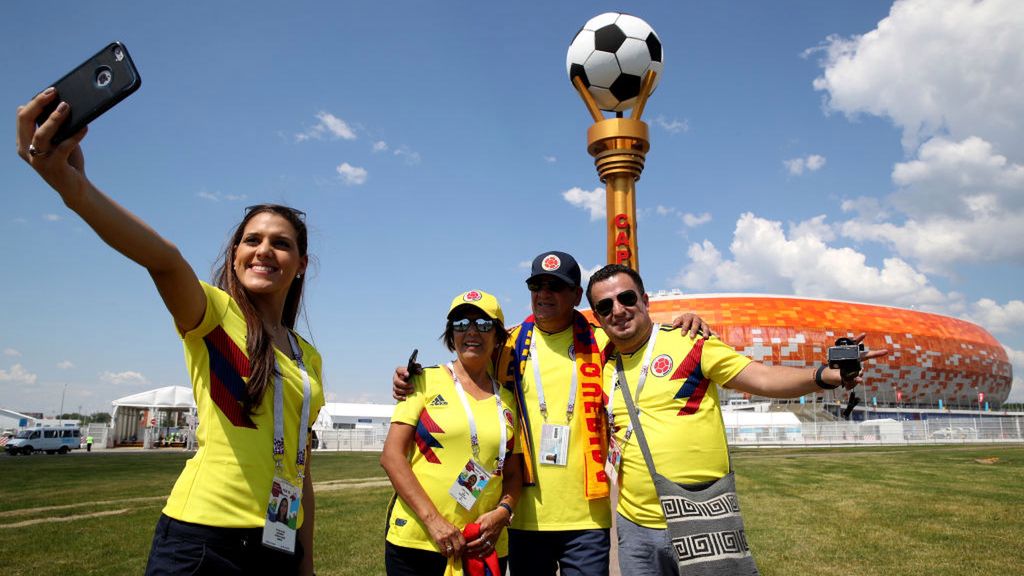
(103, 77)
(118, 54)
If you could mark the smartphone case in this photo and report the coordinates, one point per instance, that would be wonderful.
(93, 88)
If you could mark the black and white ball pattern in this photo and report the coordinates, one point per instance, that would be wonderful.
(611, 54)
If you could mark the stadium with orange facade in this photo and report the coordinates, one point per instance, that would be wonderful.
(934, 360)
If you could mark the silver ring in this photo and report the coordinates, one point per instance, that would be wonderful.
(33, 151)
(448, 547)
(488, 542)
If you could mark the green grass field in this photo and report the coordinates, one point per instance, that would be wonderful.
(855, 511)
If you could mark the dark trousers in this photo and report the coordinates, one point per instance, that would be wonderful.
(404, 561)
(185, 548)
(566, 552)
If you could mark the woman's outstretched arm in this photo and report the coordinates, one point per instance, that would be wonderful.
(63, 168)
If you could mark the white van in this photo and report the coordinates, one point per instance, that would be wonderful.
(49, 440)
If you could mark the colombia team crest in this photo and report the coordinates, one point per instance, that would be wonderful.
(472, 296)
(661, 365)
(551, 263)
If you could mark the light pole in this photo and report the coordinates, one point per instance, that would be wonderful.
(61, 413)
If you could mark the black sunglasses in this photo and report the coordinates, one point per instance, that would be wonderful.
(604, 307)
(482, 324)
(554, 285)
(276, 207)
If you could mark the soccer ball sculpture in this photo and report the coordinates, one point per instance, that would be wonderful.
(611, 54)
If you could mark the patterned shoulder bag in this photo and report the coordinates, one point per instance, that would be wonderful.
(704, 522)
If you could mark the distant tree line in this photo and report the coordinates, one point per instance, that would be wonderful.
(94, 418)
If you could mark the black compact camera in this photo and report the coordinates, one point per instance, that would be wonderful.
(845, 357)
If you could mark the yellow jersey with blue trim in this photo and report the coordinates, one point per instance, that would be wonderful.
(227, 482)
(680, 414)
(557, 500)
(442, 448)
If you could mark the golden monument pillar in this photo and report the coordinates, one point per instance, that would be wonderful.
(619, 147)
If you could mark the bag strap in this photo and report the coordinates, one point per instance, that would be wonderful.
(634, 418)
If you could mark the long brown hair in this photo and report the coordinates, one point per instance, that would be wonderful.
(258, 342)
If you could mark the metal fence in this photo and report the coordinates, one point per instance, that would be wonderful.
(353, 440)
(931, 431)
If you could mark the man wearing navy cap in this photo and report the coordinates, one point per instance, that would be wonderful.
(552, 360)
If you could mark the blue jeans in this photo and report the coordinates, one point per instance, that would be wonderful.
(567, 552)
(186, 548)
(644, 551)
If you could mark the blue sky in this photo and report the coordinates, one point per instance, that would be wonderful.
(856, 149)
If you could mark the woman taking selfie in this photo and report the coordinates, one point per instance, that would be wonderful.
(257, 384)
(449, 454)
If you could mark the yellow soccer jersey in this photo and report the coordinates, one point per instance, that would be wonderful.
(441, 448)
(680, 415)
(227, 482)
(557, 500)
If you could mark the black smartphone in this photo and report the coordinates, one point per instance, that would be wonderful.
(412, 366)
(93, 88)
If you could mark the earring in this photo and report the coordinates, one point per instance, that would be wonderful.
(298, 276)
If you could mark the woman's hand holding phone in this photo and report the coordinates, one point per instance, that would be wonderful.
(61, 165)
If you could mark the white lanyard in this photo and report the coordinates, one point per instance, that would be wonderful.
(300, 458)
(535, 360)
(645, 366)
(474, 440)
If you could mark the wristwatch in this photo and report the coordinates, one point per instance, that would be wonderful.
(510, 512)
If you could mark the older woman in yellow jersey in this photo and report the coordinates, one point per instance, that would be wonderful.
(449, 453)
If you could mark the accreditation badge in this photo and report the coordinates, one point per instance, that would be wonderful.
(282, 515)
(554, 444)
(472, 480)
(614, 461)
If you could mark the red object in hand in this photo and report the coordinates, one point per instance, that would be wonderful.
(486, 566)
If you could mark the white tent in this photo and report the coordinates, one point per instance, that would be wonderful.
(344, 415)
(155, 416)
(745, 426)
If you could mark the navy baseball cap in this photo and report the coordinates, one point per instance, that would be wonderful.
(557, 264)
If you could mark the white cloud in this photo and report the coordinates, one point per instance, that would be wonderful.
(866, 208)
(998, 318)
(52, 217)
(217, 196)
(687, 218)
(694, 220)
(11, 352)
(585, 274)
(410, 156)
(65, 365)
(810, 163)
(122, 378)
(958, 177)
(1017, 360)
(353, 175)
(380, 146)
(550, 159)
(764, 256)
(17, 375)
(592, 201)
(673, 126)
(328, 125)
(949, 74)
(1017, 389)
(935, 67)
